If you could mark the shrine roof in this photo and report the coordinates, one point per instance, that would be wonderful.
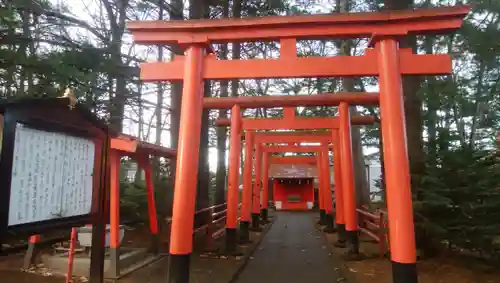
(130, 144)
(293, 171)
(50, 103)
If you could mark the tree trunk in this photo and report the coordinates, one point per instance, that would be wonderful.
(361, 183)
(199, 9)
(220, 178)
(159, 92)
(432, 108)
(117, 23)
(236, 50)
(27, 50)
(235, 45)
(140, 129)
(412, 105)
(175, 13)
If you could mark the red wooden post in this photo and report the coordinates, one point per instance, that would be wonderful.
(246, 209)
(233, 180)
(71, 255)
(31, 252)
(256, 189)
(153, 217)
(265, 188)
(322, 211)
(327, 193)
(351, 223)
(181, 240)
(339, 196)
(396, 166)
(114, 213)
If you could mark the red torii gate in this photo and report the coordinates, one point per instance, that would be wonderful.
(385, 60)
(286, 137)
(288, 121)
(345, 201)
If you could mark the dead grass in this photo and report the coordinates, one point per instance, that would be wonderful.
(446, 269)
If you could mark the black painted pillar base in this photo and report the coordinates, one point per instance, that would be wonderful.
(322, 217)
(329, 225)
(231, 241)
(264, 215)
(155, 244)
(114, 262)
(244, 232)
(341, 236)
(178, 268)
(352, 244)
(30, 255)
(256, 222)
(404, 272)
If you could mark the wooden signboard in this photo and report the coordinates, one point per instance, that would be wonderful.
(51, 166)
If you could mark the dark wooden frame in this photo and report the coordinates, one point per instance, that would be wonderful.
(19, 111)
(11, 119)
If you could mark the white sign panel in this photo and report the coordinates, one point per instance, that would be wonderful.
(51, 176)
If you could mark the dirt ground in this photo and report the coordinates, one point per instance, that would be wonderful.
(451, 268)
(206, 268)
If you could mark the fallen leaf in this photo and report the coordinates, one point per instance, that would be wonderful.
(369, 274)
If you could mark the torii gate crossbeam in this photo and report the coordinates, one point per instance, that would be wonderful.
(324, 99)
(298, 123)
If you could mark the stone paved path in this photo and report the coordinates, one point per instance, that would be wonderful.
(293, 251)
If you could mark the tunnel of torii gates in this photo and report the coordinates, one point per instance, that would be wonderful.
(383, 58)
(340, 135)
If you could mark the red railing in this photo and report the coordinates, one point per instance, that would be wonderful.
(214, 220)
(373, 224)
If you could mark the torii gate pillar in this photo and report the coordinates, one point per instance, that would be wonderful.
(339, 202)
(327, 189)
(246, 203)
(265, 189)
(233, 180)
(348, 189)
(181, 244)
(256, 189)
(396, 166)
